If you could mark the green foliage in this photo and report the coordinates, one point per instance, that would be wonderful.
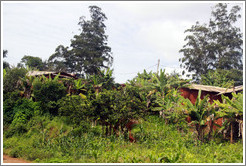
(199, 112)
(89, 51)
(116, 108)
(48, 92)
(152, 86)
(217, 45)
(231, 110)
(79, 85)
(11, 78)
(33, 62)
(103, 80)
(54, 62)
(70, 137)
(156, 144)
(76, 108)
(217, 78)
(4, 73)
(5, 64)
(23, 110)
(232, 107)
(9, 102)
(26, 84)
(170, 108)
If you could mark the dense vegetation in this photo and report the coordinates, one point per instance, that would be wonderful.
(45, 121)
(94, 119)
(56, 141)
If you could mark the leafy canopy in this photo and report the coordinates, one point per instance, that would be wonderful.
(88, 52)
(216, 45)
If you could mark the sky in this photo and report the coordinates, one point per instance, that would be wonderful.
(139, 33)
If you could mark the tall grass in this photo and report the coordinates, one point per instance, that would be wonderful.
(156, 143)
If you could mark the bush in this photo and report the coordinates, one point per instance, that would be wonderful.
(9, 102)
(48, 93)
(23, 111)
(74, 107)
(11, 78)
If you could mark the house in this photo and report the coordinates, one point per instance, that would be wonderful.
(214, 93)
(191, 92)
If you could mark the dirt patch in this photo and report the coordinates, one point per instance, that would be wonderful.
(8, 159)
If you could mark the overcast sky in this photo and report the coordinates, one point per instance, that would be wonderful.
(139, 33)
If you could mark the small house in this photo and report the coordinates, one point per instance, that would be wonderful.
(214, 93)
(191, 92)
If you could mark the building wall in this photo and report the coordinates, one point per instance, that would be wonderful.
(192, 94)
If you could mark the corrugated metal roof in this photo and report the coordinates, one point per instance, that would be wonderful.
(39, 73)
(234, 89)
(219, 90)
(36, 73)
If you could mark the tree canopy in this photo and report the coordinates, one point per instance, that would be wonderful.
(216, 45)
(33, 62)
(88, 52)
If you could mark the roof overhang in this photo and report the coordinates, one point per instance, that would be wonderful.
(215, 89)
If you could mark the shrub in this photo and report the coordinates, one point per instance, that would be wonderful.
(23, 111)
(115, 108)
(9, 101)
(48, 93)
(11, 78)
(74, 107)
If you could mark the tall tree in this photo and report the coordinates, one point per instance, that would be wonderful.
(217, 45)
(89, 51)
(59, 61)
(227, 38)
(198, 54)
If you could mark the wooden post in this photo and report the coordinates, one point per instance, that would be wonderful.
(231, 133)
(158, 64)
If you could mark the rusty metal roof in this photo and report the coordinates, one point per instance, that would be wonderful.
(216, 89)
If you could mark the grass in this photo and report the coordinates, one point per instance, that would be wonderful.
(57, 142)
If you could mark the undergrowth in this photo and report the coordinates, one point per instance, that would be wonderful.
(54, 141)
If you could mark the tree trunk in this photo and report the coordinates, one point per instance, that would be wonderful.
(110, 130)
(231, 133)
(106, 130)
(210, 129)
(241, 126)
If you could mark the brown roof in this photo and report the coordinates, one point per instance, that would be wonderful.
(219, 90)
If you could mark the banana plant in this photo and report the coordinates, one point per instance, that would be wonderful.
(104, 80)
(231, 110)
(56, 78)
(79, 85)
(170, 108)
(26, 84)
(199, 113)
